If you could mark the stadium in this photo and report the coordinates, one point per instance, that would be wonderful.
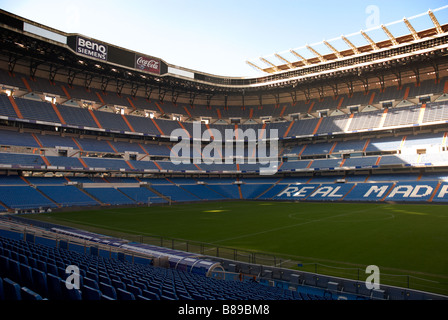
(123, 177)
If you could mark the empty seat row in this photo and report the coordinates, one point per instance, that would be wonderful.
(43, 273)
(12, 291)
(80, 117)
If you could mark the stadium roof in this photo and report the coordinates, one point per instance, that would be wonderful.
(47, 52)
(326, 50)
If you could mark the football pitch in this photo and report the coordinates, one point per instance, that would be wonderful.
(407, 242)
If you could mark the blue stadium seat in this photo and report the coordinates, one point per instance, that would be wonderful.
(11, 290)
(4, 265)
(14, 138)
(143, 282)
(125, 295)
(108, 290)
(77, 116)
(140, 285)
(150, 295)
(29, 197)
(6, 107)
(136, 291)
(186, 296)
(93, 276)
(127, 281)
(37, 110)
(197, 296)
(70, 294)
(42, 265)
(111, 121)
(53, 269)
(168, 295)
(14, 255)
(40, 282)
(14, 270)
(118, 284)
(26, 276)
(155, 290)
(89, 293)
(104, 297)
(21, 159)
(110, 196)
(29, 295)
(67, 195)
(104, 279)
(2, 294)
(54, 287)
(22, 259)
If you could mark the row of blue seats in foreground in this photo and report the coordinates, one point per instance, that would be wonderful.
(31, 271)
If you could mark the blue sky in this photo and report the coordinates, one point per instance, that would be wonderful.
(217, 36)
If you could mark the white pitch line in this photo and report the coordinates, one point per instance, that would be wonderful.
(279, 228)
(290, 226)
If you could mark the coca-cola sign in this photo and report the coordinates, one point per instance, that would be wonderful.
(147, 64)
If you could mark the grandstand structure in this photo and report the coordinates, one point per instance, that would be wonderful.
(102, 124)
(86, 123)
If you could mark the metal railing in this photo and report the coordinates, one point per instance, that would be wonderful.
(403, 279)
(256, 262)
(107, 251)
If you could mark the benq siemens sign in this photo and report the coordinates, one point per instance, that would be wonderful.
(91, 48)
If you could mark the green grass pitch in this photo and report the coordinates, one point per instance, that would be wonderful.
(407, 239)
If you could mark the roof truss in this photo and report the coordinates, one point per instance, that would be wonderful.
(287, 64)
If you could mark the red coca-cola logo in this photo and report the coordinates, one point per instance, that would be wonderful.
(147, 64)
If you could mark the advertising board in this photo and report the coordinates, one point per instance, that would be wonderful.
(147, 64)
(91, 48)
